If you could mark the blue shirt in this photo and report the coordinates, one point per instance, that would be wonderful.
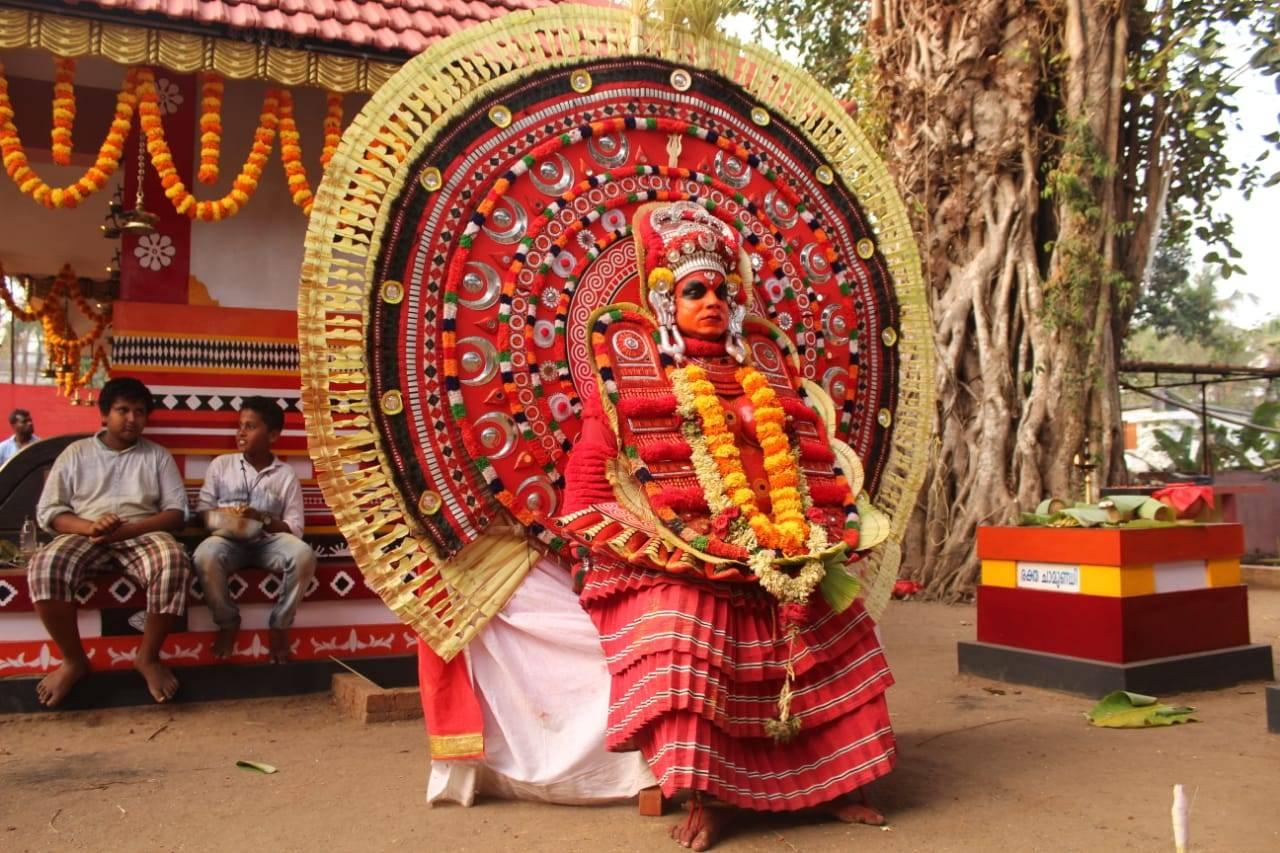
(9, 447)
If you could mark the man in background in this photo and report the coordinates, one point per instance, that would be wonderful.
(24, 433)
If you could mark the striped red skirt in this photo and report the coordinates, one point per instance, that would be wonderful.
(696, 671)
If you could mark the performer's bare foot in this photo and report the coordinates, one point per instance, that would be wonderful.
(278, 640)
(161, 681)
(55, 686)
(849, 811)
(702, 828)
(225, 641)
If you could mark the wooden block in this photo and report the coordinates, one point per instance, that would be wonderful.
(1000, 573)
(652, 803)
(1117, 581)
(1222, 572)
(1114, 629)
(1111, 546)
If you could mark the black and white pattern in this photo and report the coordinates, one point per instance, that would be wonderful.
(154, 351)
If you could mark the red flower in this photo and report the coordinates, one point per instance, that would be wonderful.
(795, 614)
(850, 538)
(720, 524)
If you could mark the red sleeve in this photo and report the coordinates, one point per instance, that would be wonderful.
(585, 482)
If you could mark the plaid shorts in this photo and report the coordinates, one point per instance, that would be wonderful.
(154, 560)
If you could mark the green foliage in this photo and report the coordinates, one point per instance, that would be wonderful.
(1233, 448)
(1174, 304)
(1183, 71)
(826, 36)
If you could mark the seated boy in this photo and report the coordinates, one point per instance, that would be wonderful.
(112, 499)
(255, 484)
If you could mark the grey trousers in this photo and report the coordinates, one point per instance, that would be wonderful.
(281, 553)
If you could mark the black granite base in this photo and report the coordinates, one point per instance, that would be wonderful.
(1273, 708)
(1159, 676)
(117, 688)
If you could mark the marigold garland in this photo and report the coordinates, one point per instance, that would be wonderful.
(94, 179)
(332, 127)
(63, 352)
(295, 172)
(787, 530)
(64, 109)
(162, 159)
(211, 89)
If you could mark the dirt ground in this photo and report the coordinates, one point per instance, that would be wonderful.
(983, 766)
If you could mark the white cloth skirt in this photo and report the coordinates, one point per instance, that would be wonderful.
(540, 676)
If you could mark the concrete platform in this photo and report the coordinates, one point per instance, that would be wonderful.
(1158, 676)
(116, 688)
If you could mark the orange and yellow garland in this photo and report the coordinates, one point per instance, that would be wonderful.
(94, 179)
(332, 127)
(787, 531)
(63, 351)
(210, 127)
(64, 109)
(246, 182)
(139, 91)
(291, 156)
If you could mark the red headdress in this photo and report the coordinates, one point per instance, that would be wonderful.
(678, 238)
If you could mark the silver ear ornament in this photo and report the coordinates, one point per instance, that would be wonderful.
(670, 342)
(733, 343)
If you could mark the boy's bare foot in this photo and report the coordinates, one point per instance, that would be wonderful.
(701, 829)
(55, 686)
(160, 679)
(224, 641)
(278, 640)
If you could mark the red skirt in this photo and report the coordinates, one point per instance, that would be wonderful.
(696, 671)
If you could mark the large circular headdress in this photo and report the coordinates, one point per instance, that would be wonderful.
(479, 211)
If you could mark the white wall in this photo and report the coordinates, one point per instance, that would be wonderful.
(253, 259)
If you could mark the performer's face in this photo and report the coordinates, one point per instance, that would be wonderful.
(702, 305)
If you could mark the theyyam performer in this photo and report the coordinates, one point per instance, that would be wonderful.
(615, 364)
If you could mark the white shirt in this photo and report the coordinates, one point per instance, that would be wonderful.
(232, 481)
(92, 480)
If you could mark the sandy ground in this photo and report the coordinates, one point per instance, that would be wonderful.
(984, 766)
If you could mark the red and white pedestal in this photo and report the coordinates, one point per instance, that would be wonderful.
(1157, 610)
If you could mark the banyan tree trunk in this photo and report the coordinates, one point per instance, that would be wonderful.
(1005, 134)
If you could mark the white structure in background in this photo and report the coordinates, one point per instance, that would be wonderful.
(1141, 450)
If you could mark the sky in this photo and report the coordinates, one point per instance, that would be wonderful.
(1256, 220)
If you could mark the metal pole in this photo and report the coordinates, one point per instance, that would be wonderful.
(1206, 459)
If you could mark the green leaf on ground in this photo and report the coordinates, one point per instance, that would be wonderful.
(255, 765)
(1124, 710)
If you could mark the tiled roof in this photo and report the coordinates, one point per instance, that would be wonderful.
(407, 26)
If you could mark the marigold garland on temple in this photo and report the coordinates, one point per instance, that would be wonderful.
(64, 110)
(139, 93)
(95, 177)
(332, 127)
(211, 89)
(245, 184)
(295, 172)
(63, 351)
